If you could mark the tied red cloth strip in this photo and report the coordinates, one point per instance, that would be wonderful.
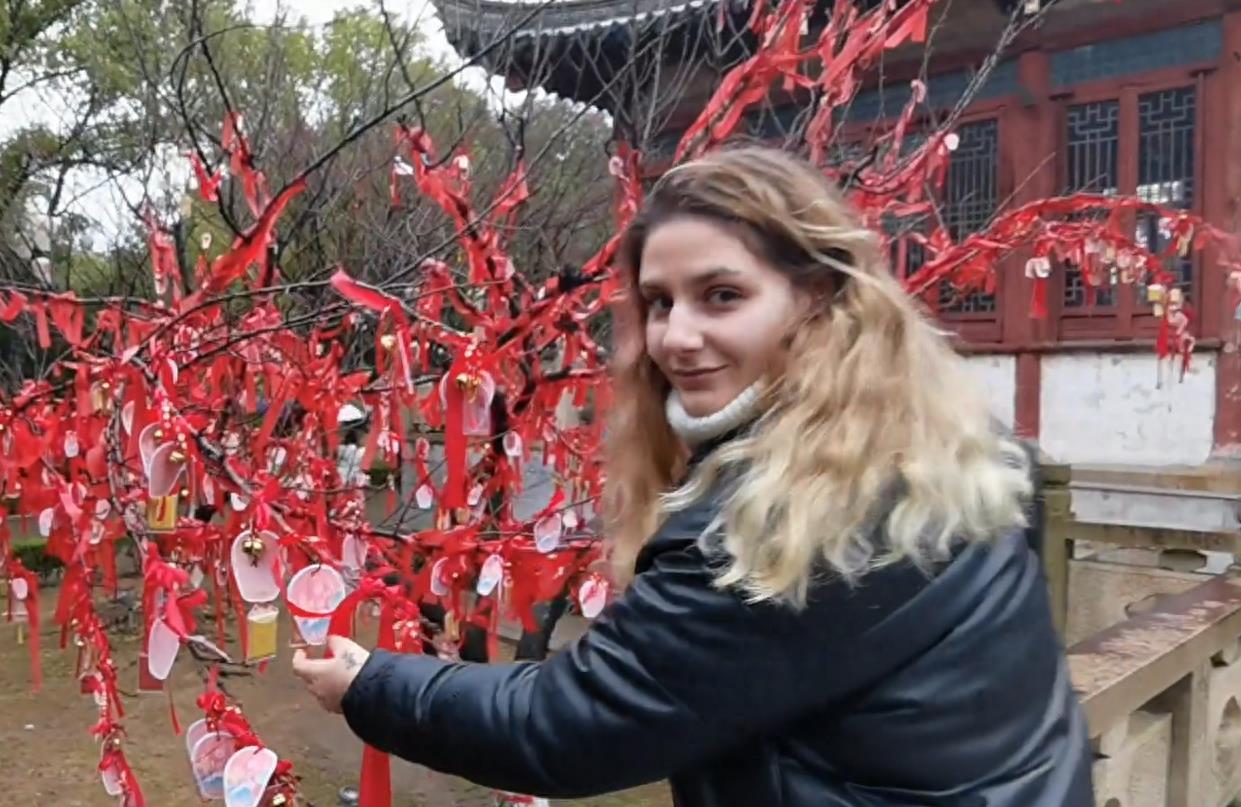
(208, 185)
(375, 780)
(454, 493)
(228, 719)
(31, 602)
(378, 301)
(178, 609)
(113, 760)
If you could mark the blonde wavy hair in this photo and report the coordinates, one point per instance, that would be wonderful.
(875, 445)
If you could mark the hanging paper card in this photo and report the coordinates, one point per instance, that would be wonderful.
(238, 502)
(162, 513)
(19, 590)
(253, 559)
(147, 443)
(208, 760)
(71, 444)
(196, 731)
(512, 445)
(424, 496)
(475, 496)
(478, 390)
(93, 683)
(547, 532)
(164, 470)
(261, 625)
(353, 553)
(46, 518)
(246, 776)
(110, 775)
(162, 647)
(316, 589)
(570, 520)
(439, 587)
(490, 575)
(275, 459)
(592, 596)
(127, 416)
(146, 681)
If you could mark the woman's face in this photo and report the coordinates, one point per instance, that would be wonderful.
(716, 313)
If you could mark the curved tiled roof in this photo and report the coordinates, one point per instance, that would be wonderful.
(464, 19)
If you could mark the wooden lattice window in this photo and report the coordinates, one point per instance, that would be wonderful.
(971, 195)
(1092, 152)
(1167, 134)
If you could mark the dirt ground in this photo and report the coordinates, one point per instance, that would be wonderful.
(50, 758)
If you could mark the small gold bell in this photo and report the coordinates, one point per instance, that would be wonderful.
(469, 384)
(253, 546)
(388, 341)
(177, 456)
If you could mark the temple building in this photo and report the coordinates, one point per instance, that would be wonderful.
(1127, 98)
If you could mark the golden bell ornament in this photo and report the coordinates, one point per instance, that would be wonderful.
(254, 548)
(468, 384)
(388, 341)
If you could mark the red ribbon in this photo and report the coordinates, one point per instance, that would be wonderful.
(31, 602)
(375, 780)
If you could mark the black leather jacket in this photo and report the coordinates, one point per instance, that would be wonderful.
(903, 690)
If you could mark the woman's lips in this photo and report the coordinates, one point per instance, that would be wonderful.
(695, 379)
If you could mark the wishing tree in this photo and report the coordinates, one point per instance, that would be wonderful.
(212, 440)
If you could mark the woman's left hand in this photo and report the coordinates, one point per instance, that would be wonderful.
(328, 679)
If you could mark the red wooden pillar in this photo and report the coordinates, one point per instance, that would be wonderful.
(1028, 148)
(1221, 172)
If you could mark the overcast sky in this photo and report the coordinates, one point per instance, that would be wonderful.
(101, 200)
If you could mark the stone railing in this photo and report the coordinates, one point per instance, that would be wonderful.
(1161, 693)
(1156, 635)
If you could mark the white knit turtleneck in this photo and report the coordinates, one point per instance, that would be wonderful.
(697, 430)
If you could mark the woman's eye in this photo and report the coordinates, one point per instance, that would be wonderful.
(723, 296)
(658, 305)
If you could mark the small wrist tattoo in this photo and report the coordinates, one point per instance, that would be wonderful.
(350, 660)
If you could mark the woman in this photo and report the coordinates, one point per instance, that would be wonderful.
(836, 605)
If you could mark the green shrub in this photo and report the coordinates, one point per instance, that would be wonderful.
(33, 555)
(379, 473)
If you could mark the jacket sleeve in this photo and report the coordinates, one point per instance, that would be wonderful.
(673, 673)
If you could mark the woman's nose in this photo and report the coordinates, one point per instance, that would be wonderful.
(684, 332)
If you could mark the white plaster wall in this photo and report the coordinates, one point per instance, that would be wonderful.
(998, 377)
(1109, 408)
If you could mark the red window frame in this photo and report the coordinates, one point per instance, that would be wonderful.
(976, 327)
(1130, 318)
